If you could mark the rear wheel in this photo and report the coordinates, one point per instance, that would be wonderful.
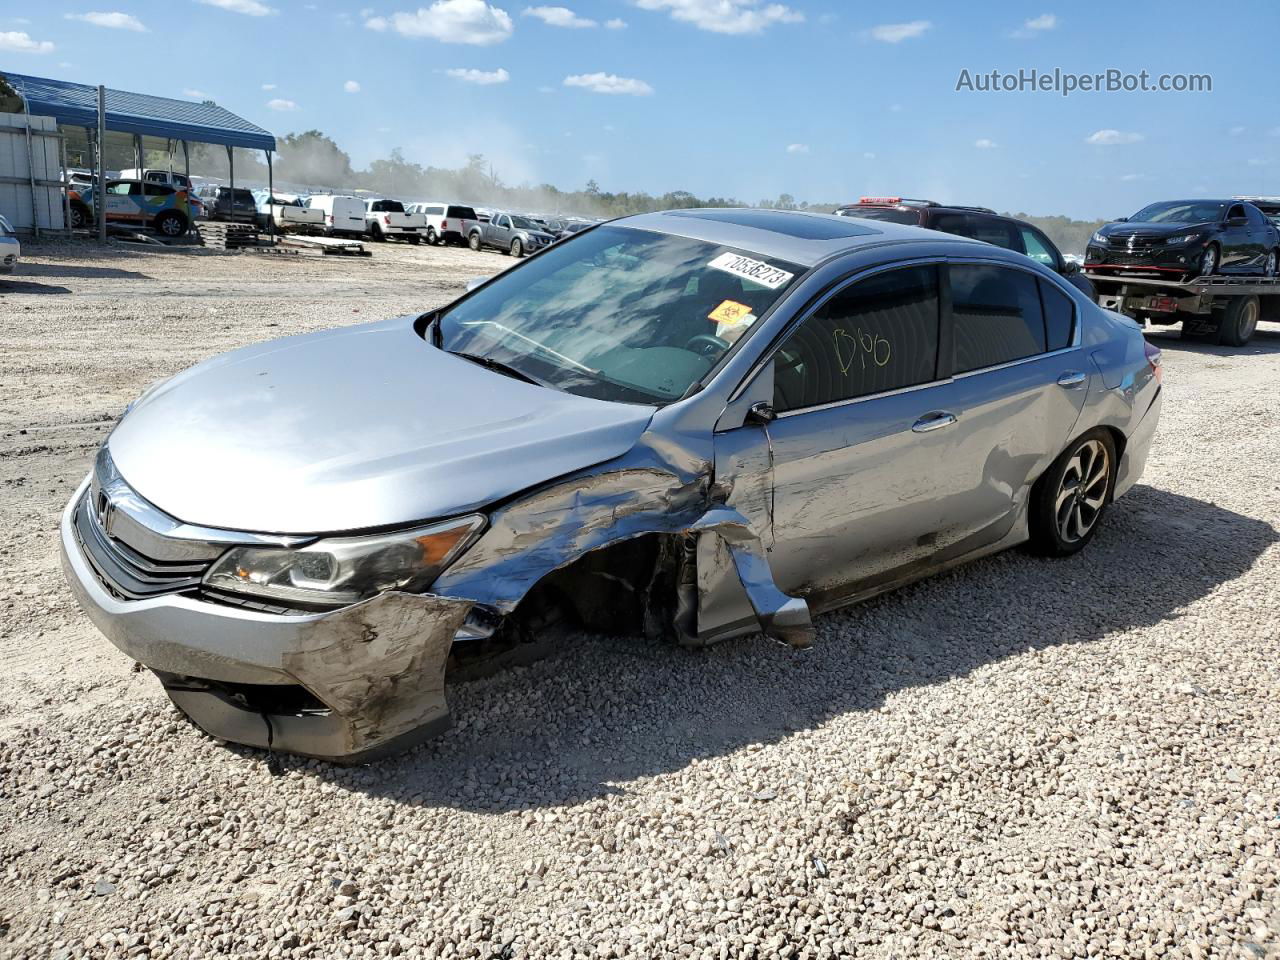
(517, 248)
(1239, 321)
(81, 218)
(375, 234)
(1070, 499)
(170, 224)
(473, 242)
(431, 236)
(1272, 263)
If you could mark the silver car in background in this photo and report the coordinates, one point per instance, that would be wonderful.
(696, 424)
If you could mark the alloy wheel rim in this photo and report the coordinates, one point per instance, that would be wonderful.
(1082, 492)
(1210, 261)
(1271, 264)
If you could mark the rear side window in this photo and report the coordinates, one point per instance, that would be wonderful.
(987, 229)
(462, 213)
(1059, 316)
(996, 316)
(879, 334)
(435, 211)
(158, 189)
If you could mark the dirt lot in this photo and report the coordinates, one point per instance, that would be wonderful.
(1021, 758)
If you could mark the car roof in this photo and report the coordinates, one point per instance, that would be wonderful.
(799, 237)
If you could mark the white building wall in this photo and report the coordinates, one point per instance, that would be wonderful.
(17, 204)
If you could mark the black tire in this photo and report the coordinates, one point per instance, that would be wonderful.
(517, 248)
(1062, 502)
(1207, 267)
(170, 224)
(1271, 266)
(414, 241)
(473, 241)
(431, 236)
(81, 217)
(1237, 323)
(375, 234)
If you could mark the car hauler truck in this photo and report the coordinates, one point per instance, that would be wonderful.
(1225, 308)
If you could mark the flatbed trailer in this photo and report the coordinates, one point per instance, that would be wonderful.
(1225, 308)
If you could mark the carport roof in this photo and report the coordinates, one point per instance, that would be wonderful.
(76, 104)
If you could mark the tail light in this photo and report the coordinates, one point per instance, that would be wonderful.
(1153, 358)
(386, 218)
(444, 224)
(329, 218)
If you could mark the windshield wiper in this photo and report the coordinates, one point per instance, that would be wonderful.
(499, 367)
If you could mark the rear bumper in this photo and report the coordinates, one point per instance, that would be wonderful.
(1138, 445)
(375, 669)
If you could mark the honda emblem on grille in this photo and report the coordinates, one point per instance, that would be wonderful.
(104, 509)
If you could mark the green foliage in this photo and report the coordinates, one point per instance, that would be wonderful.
(10, 102)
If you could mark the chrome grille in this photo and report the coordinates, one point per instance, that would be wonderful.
(124, 571)
(1136, 243)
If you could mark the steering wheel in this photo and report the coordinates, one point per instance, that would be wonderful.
(704, 343)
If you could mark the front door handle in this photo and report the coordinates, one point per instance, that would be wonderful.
(933, 421)
(1072, 379)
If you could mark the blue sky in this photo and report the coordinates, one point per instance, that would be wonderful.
(822, 99)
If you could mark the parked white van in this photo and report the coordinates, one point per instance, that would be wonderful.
(342, 215)
(446, 222)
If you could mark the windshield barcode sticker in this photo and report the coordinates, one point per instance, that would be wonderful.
(753, 270)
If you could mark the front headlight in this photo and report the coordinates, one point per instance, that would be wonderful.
(344, 570)
(1185, 238)
(1098, 238)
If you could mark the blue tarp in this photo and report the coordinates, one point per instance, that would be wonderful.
(76, 104)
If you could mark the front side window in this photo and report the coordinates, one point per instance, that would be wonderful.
(619, 314)
(879, 334)
(124, 188)
(996, 316)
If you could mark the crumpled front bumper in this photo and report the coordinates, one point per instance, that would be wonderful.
(376, 667)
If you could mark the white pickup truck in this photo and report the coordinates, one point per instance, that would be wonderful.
(385, 219)
(287, 213)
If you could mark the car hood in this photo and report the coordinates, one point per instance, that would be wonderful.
(1142, 228)
(366, 426)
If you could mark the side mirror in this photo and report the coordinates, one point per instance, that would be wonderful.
(1120, 220)
(761, 413)
(475, 282)
(1069, 267)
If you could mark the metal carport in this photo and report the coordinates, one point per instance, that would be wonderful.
(99, 109)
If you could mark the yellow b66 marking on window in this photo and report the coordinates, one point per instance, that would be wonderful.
(730, 312)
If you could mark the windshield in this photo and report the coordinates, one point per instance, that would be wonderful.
(461, 213)
(619, 314)
(524, 223)
(1180, 211)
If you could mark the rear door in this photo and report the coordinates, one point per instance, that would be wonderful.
(1237, 245)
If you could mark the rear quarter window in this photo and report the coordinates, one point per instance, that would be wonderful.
(1059, 316)
(462, 213)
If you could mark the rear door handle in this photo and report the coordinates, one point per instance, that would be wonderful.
(933, 421)
(1072, 379)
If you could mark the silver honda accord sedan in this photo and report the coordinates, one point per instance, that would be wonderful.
(693, 425)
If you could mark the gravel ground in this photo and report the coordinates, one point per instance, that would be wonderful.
(1020, 758)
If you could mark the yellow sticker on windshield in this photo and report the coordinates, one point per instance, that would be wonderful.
(730, 313)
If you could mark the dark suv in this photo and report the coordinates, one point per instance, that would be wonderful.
(977, 223)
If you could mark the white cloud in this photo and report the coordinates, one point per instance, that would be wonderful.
(114, 20)
(482, 78)
(546, 89)
(725, 16)
(615, 24)
(559, 17)
(797, 148)
(268, 87)
(284, 106)
(1036, 26)
(450, 21)
(982, 143)
(351, 86)
(1236, 131)
(1131, 177)
(196, 94)
(897, 32)
(15, 41)
(250, 8)
(1109, 138)
(1258, 162)
(609, 83)
(868, 155)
